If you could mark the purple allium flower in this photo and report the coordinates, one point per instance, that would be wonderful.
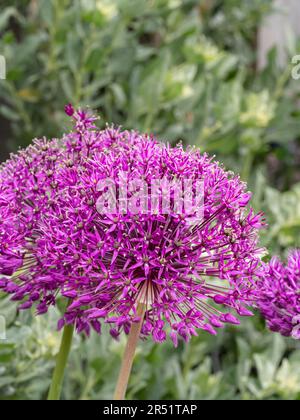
(183, 272)
(278, 295)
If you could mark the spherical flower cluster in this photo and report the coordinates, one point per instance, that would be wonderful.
(182, 270)
(278, 295)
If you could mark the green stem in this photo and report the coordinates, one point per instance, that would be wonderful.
(61, 362)
(129, 353)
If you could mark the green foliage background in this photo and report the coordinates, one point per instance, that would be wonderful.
(184, 70)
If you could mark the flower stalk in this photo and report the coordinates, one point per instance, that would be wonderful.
(129, 353)
(61, 363)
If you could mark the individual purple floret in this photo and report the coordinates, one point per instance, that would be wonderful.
(278, 295)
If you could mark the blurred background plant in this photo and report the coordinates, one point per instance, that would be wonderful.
(184, 70)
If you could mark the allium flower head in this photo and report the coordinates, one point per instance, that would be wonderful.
(184, 267)
(278, 295)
